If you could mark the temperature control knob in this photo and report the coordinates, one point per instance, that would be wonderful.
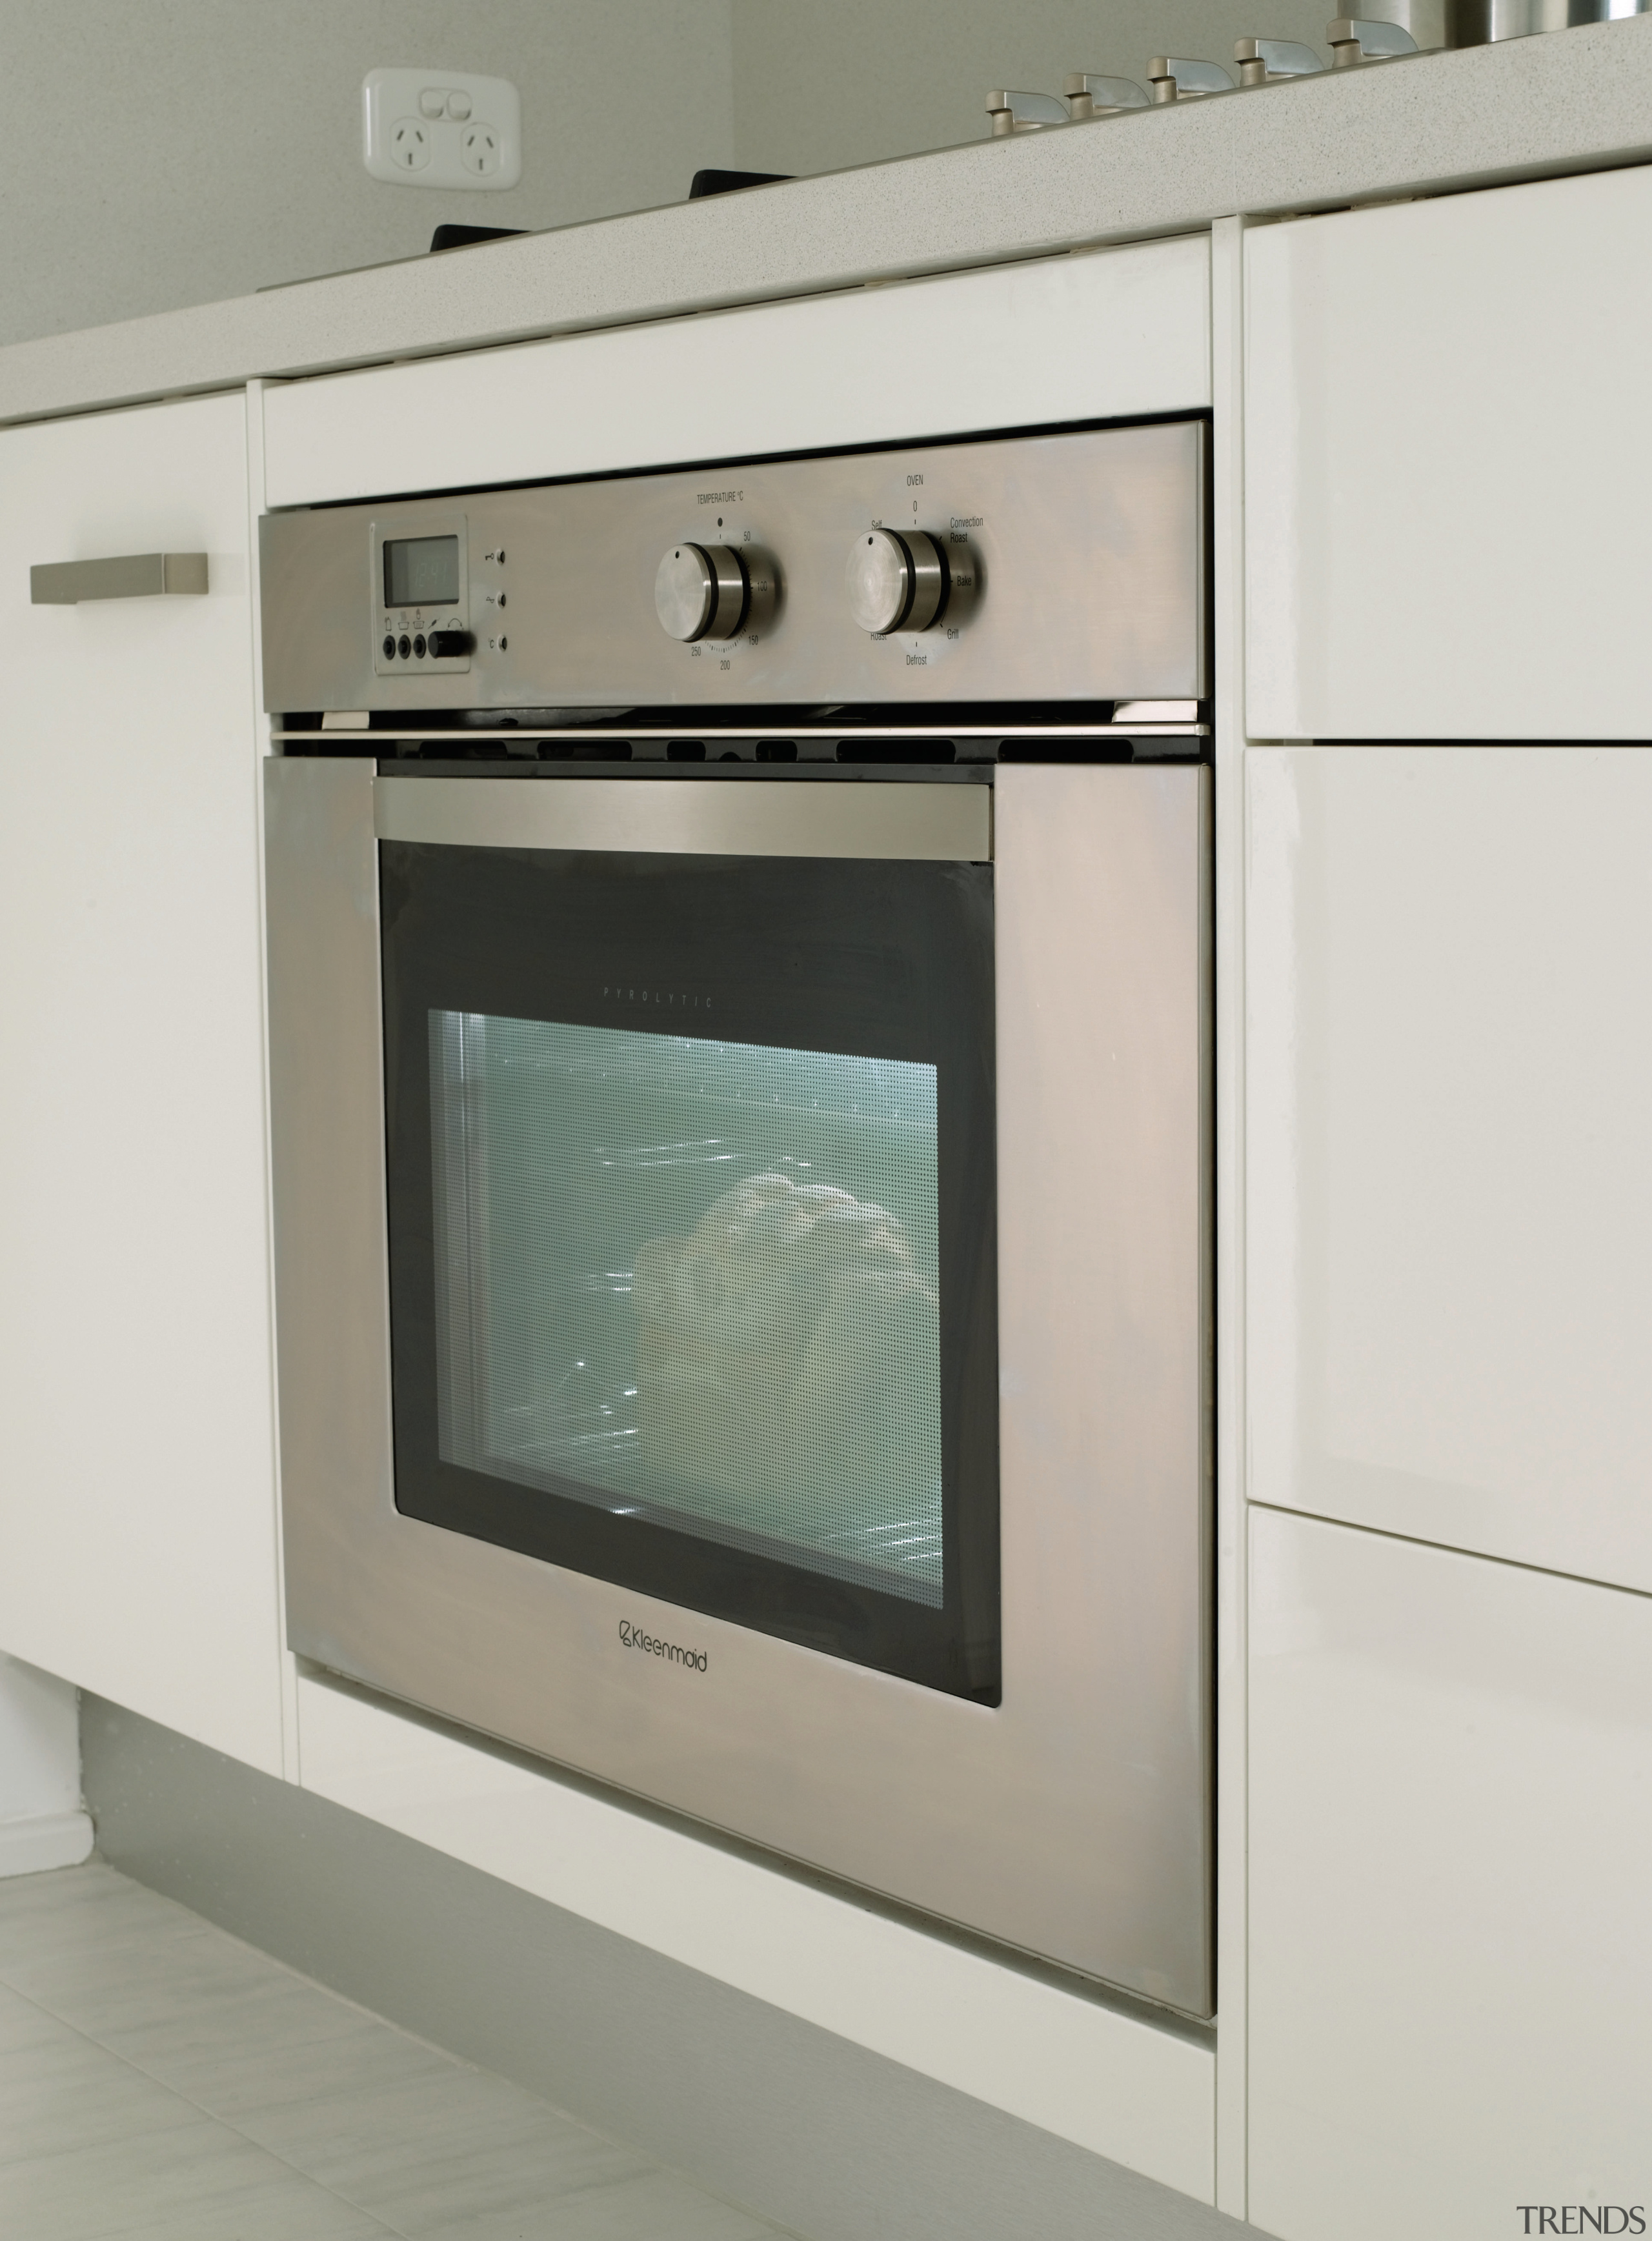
(701, 591)
(896, 580)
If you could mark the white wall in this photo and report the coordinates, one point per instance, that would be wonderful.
(820, 88)
(189, 149)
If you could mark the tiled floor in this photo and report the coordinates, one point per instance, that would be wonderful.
(159, 2078)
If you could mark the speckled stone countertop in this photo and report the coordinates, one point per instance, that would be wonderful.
(1532, 108)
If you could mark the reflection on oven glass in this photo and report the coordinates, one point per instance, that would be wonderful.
(694, 1282)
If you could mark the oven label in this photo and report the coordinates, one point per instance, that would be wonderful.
(650, 1646)
(658, 996)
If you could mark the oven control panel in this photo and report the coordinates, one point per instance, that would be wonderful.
(418, 602)
(1043, 567)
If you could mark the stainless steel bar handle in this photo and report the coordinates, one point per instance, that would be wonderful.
(685, 817)
(1174, 77)
(1355, 39)
(1086, 95)
(132, 575)
(1024, 112)
(1262, 62)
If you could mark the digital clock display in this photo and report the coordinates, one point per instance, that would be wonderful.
(421, 572)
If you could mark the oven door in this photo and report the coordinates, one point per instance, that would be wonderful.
(780, 1390)
(691, 1222)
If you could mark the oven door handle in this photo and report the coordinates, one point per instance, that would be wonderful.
(130, 576)
(900, 822)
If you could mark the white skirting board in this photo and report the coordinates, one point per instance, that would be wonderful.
(37, 1841)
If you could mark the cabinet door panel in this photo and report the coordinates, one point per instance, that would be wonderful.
(1451, 1953)
(137, 1484)
(1449, 1070)
(1446, 471)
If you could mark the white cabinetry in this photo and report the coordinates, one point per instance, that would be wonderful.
(1449, 467)
(1096, 337)
(1451, 1951)
(136, 1475)
(1449, 1192)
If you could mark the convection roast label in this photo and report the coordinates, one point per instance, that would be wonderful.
(652, 1646)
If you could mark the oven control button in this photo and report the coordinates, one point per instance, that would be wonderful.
(895, 581)
(701, 591)
(449, 644)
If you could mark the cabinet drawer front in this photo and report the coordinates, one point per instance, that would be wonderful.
(1447, 471)
(1449, 1066)
(1450, 1807)
(1096, 338)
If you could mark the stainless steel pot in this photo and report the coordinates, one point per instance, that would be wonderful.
(1434, 23)
(1474, 22)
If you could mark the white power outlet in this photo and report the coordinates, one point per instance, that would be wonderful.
(441, 129)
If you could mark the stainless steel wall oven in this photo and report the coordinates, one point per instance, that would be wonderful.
(740, 1011)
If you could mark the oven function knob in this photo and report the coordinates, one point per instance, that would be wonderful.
(701, 591)
(896, 580)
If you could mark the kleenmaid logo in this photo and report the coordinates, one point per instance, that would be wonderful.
(1580, 2217)
(652, 1646)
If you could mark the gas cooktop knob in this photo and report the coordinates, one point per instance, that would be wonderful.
(701, 591)
(896, 580)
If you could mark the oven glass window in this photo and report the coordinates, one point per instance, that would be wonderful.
(695, 1281)
(692, 1234)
